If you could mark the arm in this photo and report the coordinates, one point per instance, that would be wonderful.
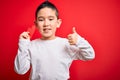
(22, 59)
(85, 51)
(79, 47)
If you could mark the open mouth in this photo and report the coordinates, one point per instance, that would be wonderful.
(46, 30)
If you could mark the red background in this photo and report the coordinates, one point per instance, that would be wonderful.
(98, 21)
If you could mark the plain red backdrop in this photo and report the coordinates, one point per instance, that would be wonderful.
(98, 21)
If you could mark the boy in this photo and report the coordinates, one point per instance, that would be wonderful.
(50, 56)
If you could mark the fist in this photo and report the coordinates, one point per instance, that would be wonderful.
(25, 35)
(72, 38)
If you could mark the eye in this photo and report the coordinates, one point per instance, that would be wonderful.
(51, 19)
(40, 19)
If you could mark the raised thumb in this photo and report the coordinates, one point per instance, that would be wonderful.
(74, 30)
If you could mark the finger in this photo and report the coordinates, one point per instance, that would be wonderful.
(69, 36)
(70, 41)
(74, 30)
(28, 33)
(25, 35)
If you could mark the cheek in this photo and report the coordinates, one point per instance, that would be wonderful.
(54, 24)
(39, 25)
(54, 29)
(39, 28)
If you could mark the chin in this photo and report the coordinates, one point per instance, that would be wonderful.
(46, 35)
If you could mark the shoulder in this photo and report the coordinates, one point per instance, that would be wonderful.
(61, 40)
(35, 41)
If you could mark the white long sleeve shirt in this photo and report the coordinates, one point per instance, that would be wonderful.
(50, 59)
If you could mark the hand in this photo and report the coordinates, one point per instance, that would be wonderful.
(25, 35)
(72, 38)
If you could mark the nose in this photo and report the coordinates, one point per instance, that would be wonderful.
(46, 23)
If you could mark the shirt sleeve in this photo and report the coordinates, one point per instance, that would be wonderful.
(82, 50)
(22, 59)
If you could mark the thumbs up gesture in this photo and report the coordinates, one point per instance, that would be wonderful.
(72, 38)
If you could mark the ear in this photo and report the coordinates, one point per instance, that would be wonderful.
(59, 23)
(35, 23)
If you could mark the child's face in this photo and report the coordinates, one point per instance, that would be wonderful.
(47, 23)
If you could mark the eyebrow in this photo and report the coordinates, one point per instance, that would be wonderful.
(40, 17)
(48, 17)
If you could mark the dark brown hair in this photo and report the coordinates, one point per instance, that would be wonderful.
(48, 5)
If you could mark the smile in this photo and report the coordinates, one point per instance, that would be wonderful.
(46, 29)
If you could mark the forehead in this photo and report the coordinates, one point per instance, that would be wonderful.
(45, 12)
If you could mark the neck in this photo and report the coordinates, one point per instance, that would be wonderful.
(48, 38)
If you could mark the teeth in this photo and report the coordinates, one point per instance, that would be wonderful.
(46, 30)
